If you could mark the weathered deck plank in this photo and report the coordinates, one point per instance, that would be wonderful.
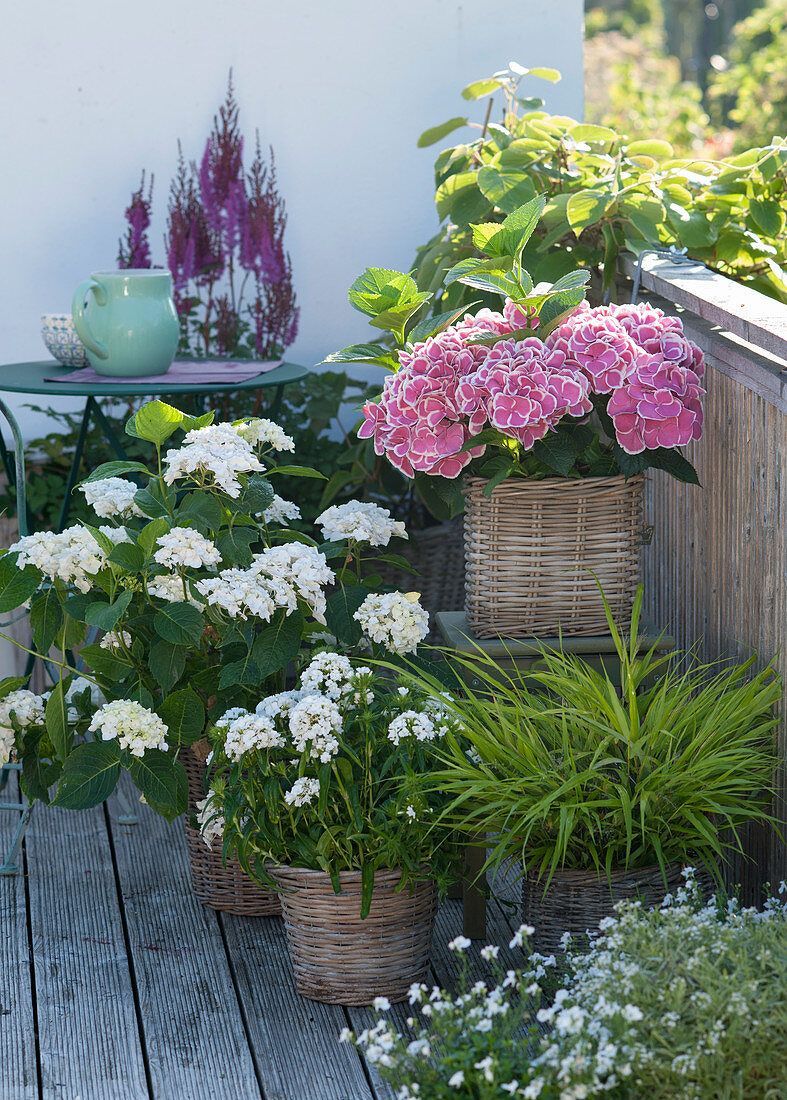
(191, 1020)
(89, 1040)
(19, 1075)
(294, 1040)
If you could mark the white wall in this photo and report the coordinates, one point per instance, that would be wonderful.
(94, 92)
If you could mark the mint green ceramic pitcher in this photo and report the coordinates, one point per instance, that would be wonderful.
(129, 324)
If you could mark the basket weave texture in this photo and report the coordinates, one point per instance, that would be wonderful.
(339, 958)
(575, 901)
(528, 550)
(224, 887)
(438, 556)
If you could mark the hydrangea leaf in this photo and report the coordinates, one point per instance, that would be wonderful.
(90, 775)
(184, 716)
(163, 782)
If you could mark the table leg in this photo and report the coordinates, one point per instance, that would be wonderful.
(278, 397)
(107, 429)
(73, 473)
(474, 913)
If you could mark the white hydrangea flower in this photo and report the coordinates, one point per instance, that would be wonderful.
(248, 733)
(115, 535)
(116, 639)
(410, 723)
(280, 510)
(73, 556)
(185, 548)
(218, 451)
(112, 496)
(28, 709)
(211, 823)
(260, 430)
(276, 578)
(328, 674)
(396, 620)
(303, 792)
(272, 706)
(314, 723)
(133, 726)
(360, 521)
(170, 587)
(460, 944)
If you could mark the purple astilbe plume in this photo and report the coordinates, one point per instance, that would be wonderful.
(194, 250)
(134, 249)
(221, 182)
(275, 315)
(262, 241)
(227, 326)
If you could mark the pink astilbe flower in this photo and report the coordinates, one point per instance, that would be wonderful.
(523, 389)
(134, 249)
(658, 405)
(193, 249)
(222, 187)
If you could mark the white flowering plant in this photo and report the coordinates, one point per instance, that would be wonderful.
(194, 595)
(332, 775)
(681, 1002)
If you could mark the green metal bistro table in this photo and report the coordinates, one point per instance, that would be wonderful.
(36, 378)
(31, 378)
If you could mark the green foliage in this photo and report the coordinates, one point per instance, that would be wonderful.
(570, 771)
(605, 195)
(752, 90)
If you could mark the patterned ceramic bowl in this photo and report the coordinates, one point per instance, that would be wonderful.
(59, 334)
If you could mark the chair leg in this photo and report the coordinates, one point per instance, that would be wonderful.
(10, 866)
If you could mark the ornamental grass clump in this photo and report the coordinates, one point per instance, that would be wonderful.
(332, 776)
(681, 1002)
(567, 770)
(193, 597)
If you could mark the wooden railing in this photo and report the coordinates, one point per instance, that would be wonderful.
(716, 569)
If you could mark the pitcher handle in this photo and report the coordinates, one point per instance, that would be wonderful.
(80, 321)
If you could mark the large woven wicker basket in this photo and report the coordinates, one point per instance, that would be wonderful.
(575, 901)
(530, 549)
(437, 555)
(221, 886)
(339, 958)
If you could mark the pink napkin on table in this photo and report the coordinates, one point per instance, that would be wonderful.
(183, 371)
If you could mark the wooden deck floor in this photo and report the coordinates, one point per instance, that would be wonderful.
(116, 984)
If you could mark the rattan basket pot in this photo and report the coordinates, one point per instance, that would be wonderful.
(437, 554)
(530, 547)
(337, 957)
(575, 901)
(221, 886)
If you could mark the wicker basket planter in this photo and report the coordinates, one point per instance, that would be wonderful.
(221, 886)
(438, 556)
(528, 551)
(339, 958)
(575, 901)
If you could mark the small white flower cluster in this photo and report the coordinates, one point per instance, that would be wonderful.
(116, 640)
(259, 430)
(20, 708)
(279, 704)
(328, 674)
(277, 577)
(360, 521)
(133, 726)
(116, 535)
(112, 496)
(280, 510)
(250, 733)
(72, 556)
(395, 620)
(314, 723)
(172, 588)
(411, 723)
(185, 548)
(303, 792)
(209, 819)
(218, 451)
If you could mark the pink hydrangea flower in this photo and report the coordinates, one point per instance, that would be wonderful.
(659, 334)
(600, 347)
(658, 405)
(523, 390)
